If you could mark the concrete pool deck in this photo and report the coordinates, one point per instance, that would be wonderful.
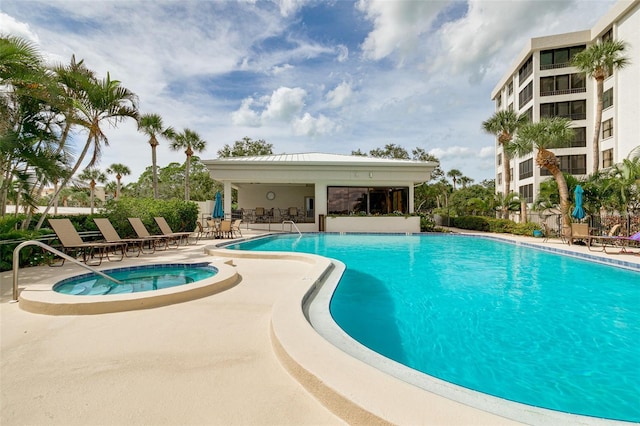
(213, 360)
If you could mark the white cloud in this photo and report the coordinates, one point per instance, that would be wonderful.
(339, 95)
(20, 29)
(282, 68)
(310, 126)
(245, 116)
(343, 53)
(487, 152)
(398, 25)
(284, 104)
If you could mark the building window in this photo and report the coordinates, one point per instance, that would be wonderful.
(608, 35)
(529, 114)
(510, 88)
(558, 58)
(499, 178)
(563, 84)
(580, 138)
(573, 110)
(526, 169)
(607, 158)
(607, 99)
(499, 101)
(363, 200)
(526, 94)
(526, 193)
(572, 164)
(607, 128)
(510, 107)
(525, 70)
(499, 159)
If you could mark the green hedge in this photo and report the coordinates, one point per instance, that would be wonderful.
(180, 215)
(488, 224)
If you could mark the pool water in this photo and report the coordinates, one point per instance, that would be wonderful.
(136, 279)
(518, 323)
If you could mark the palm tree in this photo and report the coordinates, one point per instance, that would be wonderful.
(599, 61)
(454, 174)
(92, 176)
(191, 142)
(101, 100)
(152, 126)
(547, 134)
(119, 170)
(505, 124)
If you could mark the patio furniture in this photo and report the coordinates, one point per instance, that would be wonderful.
(111, 235)
(214, 225)
(235, 227)
(225, 229)
(73, 245)
(142, 232)
(166, 230)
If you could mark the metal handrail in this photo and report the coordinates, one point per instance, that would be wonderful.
(16, 263)
(293, 224)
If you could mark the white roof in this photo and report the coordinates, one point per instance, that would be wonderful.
(318, 158)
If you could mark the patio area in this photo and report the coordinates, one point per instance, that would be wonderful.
(212, 360)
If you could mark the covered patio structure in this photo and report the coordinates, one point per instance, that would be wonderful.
(322, 192)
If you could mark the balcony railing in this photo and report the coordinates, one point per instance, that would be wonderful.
(554, 66)
(564, 92)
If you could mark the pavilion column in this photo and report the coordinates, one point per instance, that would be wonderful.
(227, 199)
(411, 201)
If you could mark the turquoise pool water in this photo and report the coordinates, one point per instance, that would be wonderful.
(518, 323)
(136, 279)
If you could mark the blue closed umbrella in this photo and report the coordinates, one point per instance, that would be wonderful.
(578, 211)
(218, 210)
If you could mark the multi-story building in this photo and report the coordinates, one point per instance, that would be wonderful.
(542, 83)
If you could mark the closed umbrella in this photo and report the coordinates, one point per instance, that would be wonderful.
(218, 210)
(578, 211)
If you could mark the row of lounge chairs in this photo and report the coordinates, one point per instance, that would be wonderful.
(114, 248)
(581, 232)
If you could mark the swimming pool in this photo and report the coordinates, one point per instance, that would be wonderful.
(135, 279)
(510, 321)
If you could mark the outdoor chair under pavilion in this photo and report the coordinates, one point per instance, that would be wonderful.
(235, 227)
(111, 235)
(142, 232)
(73, 245)
(166, 230)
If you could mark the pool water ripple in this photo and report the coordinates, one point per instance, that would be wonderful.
(514, 322)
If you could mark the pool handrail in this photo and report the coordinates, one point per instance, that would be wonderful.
(16, 263)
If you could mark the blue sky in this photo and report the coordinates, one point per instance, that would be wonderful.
(306, 76)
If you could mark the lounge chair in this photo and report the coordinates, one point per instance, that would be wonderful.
(166, 230)
(111, 235)
(214, 225)
(142, 232)
(618, 241)
(73, 245)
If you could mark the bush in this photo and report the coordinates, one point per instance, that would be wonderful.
(11, 236)
(180, 215)
(488, 224)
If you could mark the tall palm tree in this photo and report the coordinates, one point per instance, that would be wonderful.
(119, 170)
(454, 174)
(504, 125)
(101, 101)
(152, 126)
(547, 134)
(599, 61)
(92, 176)
(191, 142)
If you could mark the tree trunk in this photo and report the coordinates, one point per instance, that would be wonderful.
(186, 178)
(506, 161)
(64, 183)
(549, 161)
(154, 167)
(596, 127)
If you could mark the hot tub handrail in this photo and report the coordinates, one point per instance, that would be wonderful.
(16, 263)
